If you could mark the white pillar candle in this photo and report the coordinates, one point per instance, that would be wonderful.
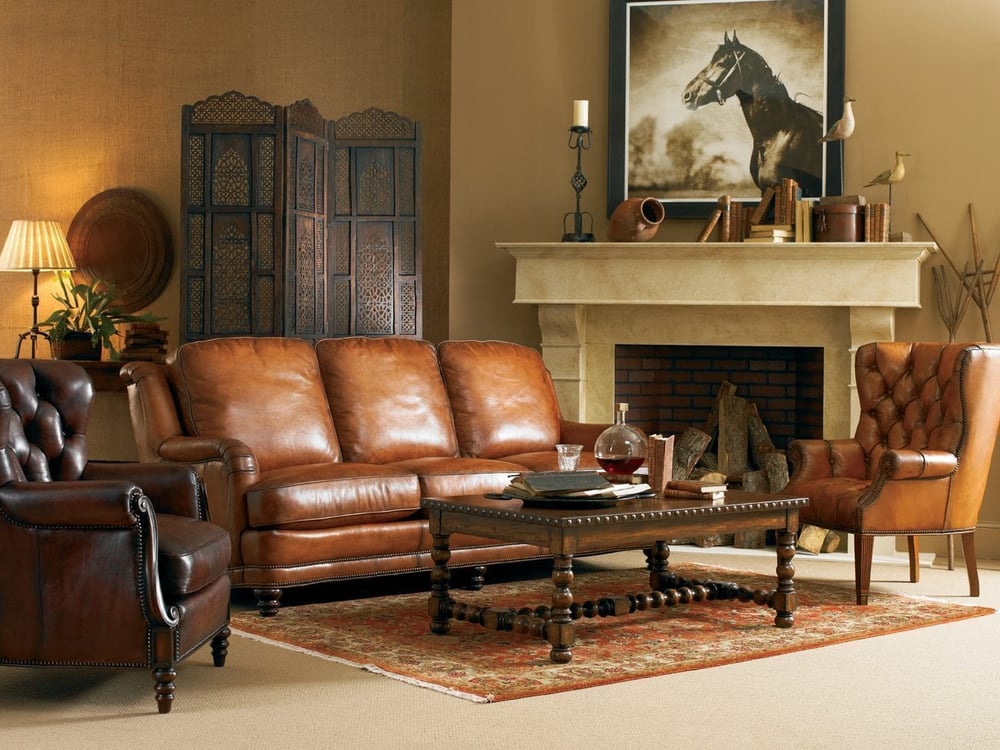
(581, 113)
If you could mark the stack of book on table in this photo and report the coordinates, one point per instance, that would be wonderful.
(570, 484)
(691, 489)
(145, 341)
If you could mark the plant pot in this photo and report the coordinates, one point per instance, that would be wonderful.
(75, 345)
(636, 220)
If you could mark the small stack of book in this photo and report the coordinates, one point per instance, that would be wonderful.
(691, 489)
(145, 341)
(570, 484)
(771, 233)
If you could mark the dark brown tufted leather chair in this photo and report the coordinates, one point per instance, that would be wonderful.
(104, 564)
(920, 456)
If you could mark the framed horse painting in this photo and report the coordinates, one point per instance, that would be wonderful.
(723, 97)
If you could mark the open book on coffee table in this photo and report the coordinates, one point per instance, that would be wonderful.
(570, 485)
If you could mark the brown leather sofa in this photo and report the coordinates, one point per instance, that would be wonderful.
(315, 458)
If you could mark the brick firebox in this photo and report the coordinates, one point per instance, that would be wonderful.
(672, 387)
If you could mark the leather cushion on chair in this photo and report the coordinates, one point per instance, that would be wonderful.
(192, 553)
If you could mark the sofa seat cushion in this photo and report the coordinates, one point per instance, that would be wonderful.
(191, 554)
(447, 477)
(319, 496)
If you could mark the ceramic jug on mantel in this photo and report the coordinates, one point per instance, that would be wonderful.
(636, 220)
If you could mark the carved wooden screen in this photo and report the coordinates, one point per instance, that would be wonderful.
(305, 222)
(231, 193)
(374, 215)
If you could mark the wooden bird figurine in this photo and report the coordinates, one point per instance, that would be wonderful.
(844, 127)
(890, 176)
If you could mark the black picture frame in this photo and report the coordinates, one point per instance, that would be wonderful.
(656, 46)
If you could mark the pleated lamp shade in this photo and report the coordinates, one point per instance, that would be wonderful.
(36, 246)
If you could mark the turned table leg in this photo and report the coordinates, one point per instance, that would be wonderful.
(658, 562)
(784, 599)
(440, 604)
(559, 631)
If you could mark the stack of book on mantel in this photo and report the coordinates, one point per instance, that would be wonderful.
(570, 484)
(691, 489)
(145, 341)
(771, 233)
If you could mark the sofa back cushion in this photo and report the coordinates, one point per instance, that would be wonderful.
(265, 392)
(387, 398)
(502, 398)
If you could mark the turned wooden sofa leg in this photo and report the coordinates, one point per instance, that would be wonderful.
(969, 551)
(268, 601)
(864, 546)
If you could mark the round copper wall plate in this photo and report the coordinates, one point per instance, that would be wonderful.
(121, 237)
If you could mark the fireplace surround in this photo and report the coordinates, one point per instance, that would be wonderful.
(592, 297)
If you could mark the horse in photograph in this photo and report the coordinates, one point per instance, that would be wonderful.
(786, 134)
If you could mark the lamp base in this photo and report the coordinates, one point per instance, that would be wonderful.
(34, 334)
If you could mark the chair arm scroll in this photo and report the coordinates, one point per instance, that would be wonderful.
(916, 464)
(76, 504)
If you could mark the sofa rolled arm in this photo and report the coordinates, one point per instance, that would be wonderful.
(171, 488)
(580, 433)
(916, 464)
(823, 459)
(234, 454)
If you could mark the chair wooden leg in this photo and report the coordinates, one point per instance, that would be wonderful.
(951, 552)
(164, 687)
(913, 545)
(969, 550)
(864, 546)
(220, 647)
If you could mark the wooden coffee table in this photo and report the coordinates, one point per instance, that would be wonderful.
(630, 524)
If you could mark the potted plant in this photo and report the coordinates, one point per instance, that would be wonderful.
(87, 318)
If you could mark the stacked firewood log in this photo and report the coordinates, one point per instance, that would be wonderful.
(734, 446)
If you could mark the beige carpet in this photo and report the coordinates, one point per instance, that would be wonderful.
(930, 688)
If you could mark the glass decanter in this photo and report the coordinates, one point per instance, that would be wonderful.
(621, 449)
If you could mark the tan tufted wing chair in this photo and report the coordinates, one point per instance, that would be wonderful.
(104, 564)
(920, 455)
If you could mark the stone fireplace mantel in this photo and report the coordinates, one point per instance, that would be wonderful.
(592, 296)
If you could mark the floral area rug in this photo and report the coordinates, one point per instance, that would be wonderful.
(391, 635)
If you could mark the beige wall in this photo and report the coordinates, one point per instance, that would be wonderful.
(921, 71)
(92, 92)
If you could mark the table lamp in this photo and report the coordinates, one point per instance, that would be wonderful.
(35, 246)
